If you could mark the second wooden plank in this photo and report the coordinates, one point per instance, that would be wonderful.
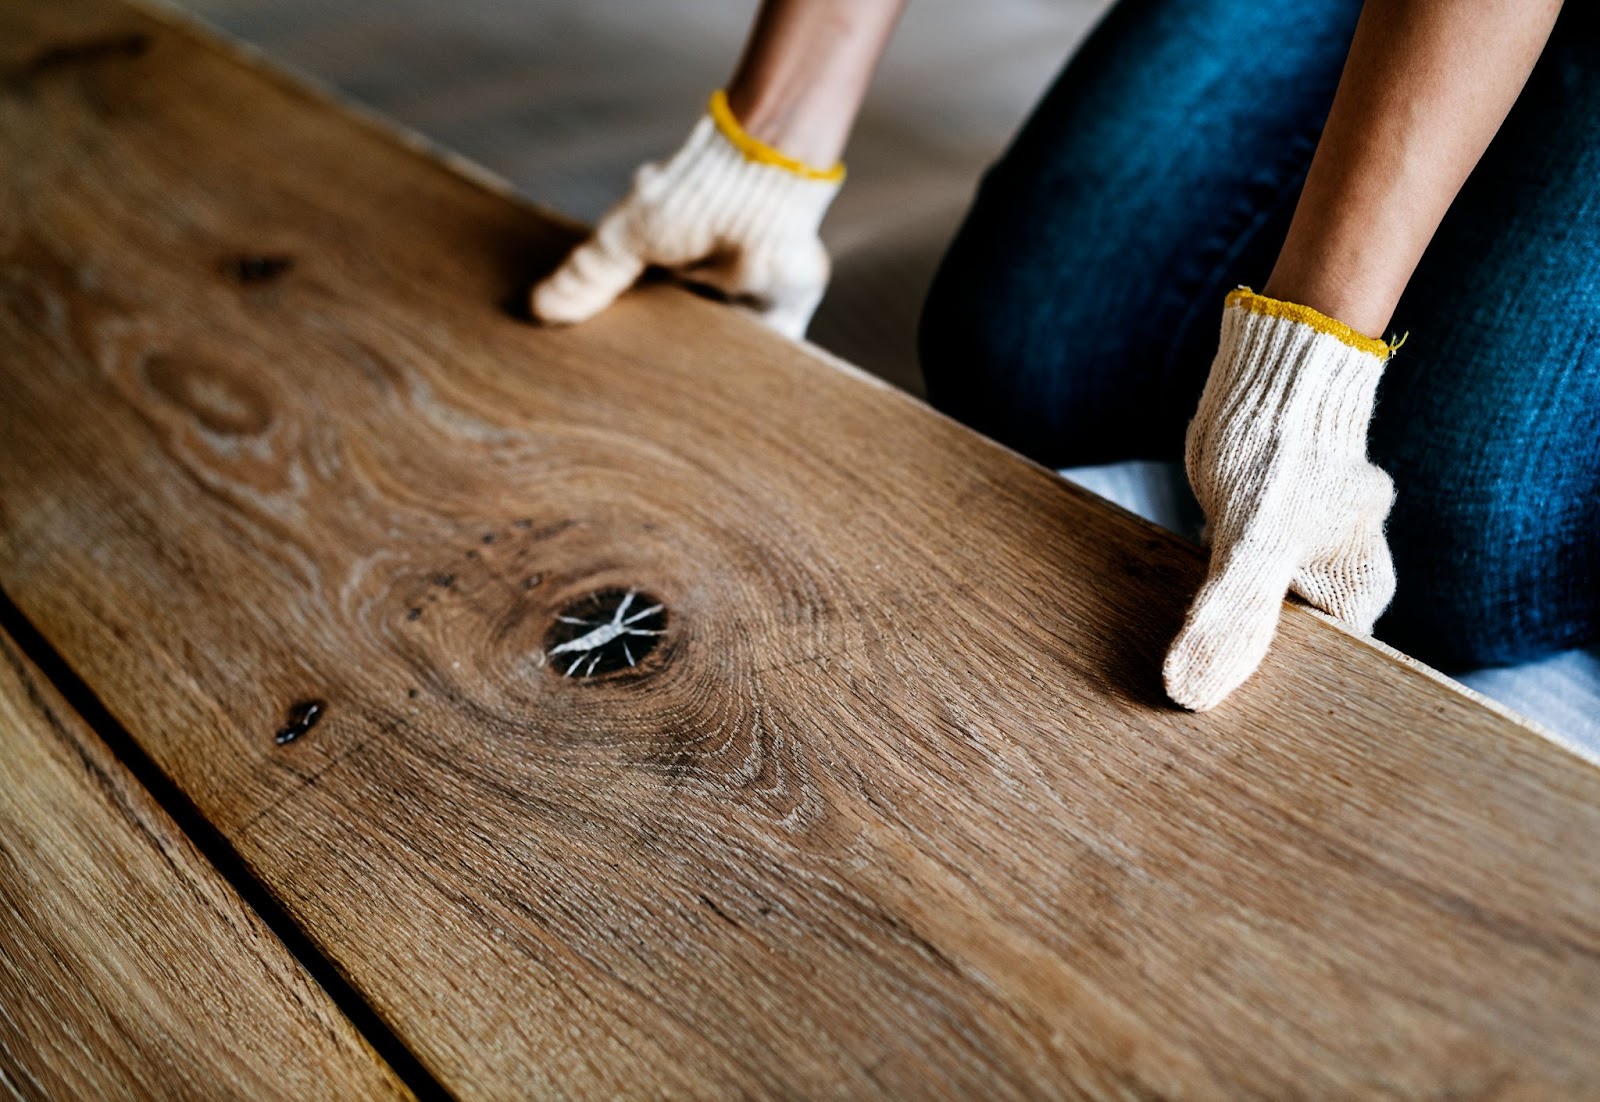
(128, 967)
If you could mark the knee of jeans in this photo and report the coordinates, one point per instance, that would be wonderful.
(956, 345)
(1469, 592)
(980, 364)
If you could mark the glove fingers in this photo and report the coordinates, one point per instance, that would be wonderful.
(591, 278)
(1355, 583)
(1230, 625)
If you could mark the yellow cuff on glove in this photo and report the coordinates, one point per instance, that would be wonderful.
(1248, 300)
(760, 152)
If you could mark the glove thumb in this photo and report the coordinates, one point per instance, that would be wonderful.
(596, 272)
(1229, 626)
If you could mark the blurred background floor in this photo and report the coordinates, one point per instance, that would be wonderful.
(565, 98)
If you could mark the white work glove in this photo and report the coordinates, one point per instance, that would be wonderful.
(1277, 455)
(725, 210)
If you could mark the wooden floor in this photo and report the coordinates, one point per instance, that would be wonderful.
(876, 795)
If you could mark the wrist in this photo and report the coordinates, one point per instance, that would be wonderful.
(804, 72)
(1365, 300)
(771, 130)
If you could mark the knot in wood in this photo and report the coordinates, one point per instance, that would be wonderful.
(610, 629)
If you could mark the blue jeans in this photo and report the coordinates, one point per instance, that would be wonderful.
(1076, 312)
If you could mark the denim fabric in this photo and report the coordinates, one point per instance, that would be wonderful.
(1077, 309)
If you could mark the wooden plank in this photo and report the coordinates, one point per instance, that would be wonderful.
(894, 805)
(129, 968)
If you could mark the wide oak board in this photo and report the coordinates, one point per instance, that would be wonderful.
(882, 796)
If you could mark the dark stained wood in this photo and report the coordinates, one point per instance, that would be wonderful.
(892, 806)
(128, 967)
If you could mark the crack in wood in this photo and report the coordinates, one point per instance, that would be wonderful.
(303, 716)
(604, 632)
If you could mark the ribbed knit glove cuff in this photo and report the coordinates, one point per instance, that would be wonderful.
(749, 189)
(1276, 454)
(1300, 373)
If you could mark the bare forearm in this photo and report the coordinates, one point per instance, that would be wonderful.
(1427, 84)
(805, 71)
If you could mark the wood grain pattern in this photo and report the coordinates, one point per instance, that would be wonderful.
(893, 806)
(128, 967)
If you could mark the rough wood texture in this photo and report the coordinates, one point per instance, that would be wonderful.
(128, 967)
(892, 805)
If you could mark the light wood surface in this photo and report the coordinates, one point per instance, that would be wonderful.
(128, 967)
(893, 805)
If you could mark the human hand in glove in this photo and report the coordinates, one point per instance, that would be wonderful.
(1277, 451)
(725, 210)
(1277, 456)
